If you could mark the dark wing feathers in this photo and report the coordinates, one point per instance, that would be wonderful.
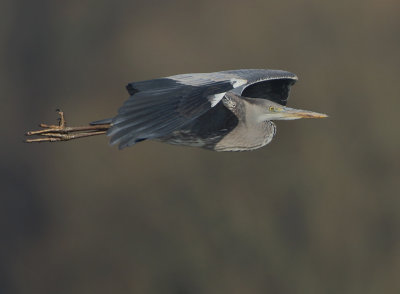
(102, 122)
(276, 90)
(150, 85)
(158, 107)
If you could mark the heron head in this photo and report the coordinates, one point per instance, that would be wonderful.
(273, 111)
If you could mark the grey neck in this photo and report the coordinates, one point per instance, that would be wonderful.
(250, 133)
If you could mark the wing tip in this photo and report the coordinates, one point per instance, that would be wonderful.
(131, 89)
(101, 122)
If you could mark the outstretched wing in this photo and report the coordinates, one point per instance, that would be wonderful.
(158, 107)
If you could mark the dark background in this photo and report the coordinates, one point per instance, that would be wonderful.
(316, 211)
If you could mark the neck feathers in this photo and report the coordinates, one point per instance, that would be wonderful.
(250, 133)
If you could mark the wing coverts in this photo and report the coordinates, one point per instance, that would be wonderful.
(158, 107)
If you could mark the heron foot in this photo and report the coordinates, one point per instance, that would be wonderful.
(60, 132)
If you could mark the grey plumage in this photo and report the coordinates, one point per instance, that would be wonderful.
(223, 111)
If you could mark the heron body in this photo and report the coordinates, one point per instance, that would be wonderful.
(222, 111)
(229, 126)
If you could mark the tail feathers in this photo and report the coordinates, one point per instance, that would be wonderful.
(101, 122)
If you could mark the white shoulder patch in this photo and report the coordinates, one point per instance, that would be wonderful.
(238, 82)
(216, 98)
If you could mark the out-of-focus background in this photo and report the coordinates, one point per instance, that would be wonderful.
(316, 211)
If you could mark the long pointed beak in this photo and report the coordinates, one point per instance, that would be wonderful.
(291, 113)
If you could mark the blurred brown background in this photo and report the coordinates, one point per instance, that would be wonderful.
(316, 211)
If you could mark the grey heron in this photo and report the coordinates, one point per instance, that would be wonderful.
(223, 111)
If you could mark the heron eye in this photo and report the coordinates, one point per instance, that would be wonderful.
(275, 109)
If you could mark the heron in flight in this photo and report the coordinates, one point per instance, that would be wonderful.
(223, 111)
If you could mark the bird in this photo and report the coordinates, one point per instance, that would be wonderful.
(230, 110)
